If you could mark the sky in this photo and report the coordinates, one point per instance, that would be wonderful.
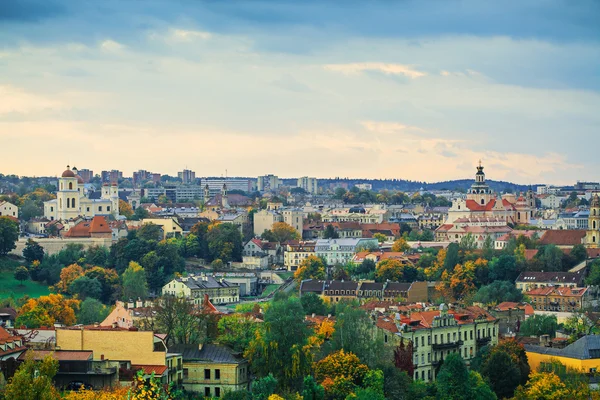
(404, 89)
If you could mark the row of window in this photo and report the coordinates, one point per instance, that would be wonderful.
(452, 338)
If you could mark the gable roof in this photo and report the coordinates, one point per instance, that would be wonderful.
(560, 237)
(207, 353)
(99, 225)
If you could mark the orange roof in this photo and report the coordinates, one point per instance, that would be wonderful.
(99, 225)
(387, 324)
(561, 237)
(60, 355)
(149, 369)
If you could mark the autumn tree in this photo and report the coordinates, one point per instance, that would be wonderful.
(33, 380)
(109, 282)
(400, 245)
(403, 357)
(312, 267)
(340, 365)
(396, 271)
(283, 232)
(125, 209)
(180, 320)
(33, 251)
(134, 282)
(380, 237)
(21, 274)
(236, 331)
(67, 276)
(47, 310)
(543, 385)
(9, 234)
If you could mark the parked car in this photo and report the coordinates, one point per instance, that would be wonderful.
(77, 385)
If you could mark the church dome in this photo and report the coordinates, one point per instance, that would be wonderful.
(68, 173)
(79, 179)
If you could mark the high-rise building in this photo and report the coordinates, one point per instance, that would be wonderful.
(308, 184)
(267, 183)
(111, 176)
(215, 185)
(187, 176)
(86, 175)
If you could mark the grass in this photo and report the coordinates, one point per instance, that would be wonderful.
(269, 289)
(10, 287)
(286, 275)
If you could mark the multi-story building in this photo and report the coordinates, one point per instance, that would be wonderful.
(296, 252)
(363, 186)
(194, 287)
(335, 291)
(212, 370)
(340, 251)
(134, 349)
(573, 220)
(111, 176)
(268, 183)
(592, 237)
(187, 176)
(436, 334)
(310, 185)
(531, 280)
(185, 193)
(143, 176)
(560, 299)
(215, 185)
(8, 209)
(73, 199)
(264, 219)
(170, 226)
(582, 355)
(86, 175)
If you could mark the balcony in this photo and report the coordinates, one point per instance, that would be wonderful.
(447, 345)
(483, 341)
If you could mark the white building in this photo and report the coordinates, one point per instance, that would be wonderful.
(194, 287)
(264, 219)
(8, 209)
(364, 186)
(308, 184)
(267, 183)
(72, 199)
(341, 251)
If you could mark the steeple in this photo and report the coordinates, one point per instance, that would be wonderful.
(224, 200)
(206, 194)
(593, 232)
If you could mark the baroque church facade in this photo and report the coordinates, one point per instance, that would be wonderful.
(72, 199)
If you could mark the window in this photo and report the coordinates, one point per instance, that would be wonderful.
(217, 374)
(206, 391)
(471, 335)
(108, 209)
(99, 208)
(217, 392)
(70, 185)
(207, 374)
(422, 340)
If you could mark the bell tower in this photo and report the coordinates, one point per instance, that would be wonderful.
(592, 236)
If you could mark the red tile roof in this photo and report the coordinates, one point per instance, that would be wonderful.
(99, 225)
(387, 324)
(561, 237)
(158, 370)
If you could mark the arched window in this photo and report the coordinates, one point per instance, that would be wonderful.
(519, 216)
(61, 186)
(594, 224)
(594, 212)
(482, 201)
(593, 239)
(73, 202)
(70, 185)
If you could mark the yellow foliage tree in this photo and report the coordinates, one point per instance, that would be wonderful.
(67, 276)
(125, 209)
(311, 268)
(284, 232)
(48, 310)
(390, 269)
(543, 385)
(339, 364)
(400, 245)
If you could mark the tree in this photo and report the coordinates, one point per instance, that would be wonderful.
(67, 276)
(504, 268)
(9, 234)
(96, 255)
(395, 271)
(538, 324)
(543, 385)
(453, 379)
(134, 282)
(150, 232)
(330, 232)
(594, 274)
(403, 358)
(125, 209)
(84, 287)
(224, 242)
(340, 367)
(400, 245)
(33, 251)
(284, 232)
(380, 237)
(33, 380)
(502, 372)
(488, 248)
(236, 331)
(290, 359)
(263, 388)
(467, 242)
(140, 213)
(312, 267)
(21, 274)
(366, 268)
(498, 292)
(313, 304)
(109, 282)
(311, 390)
(551, 258)
(47, 310)
(452, 257)
(180, 321)
(92, 311)
(579, 253)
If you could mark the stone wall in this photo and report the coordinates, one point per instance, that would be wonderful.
(54, 245)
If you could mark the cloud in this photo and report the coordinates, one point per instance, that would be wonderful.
(388, 69)
(16, 100)
(390, 127)
(188, 36)
(111, 46)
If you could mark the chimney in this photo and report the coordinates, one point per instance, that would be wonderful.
(139, 303)
(102, 357)
(114, 325)
(313, 315)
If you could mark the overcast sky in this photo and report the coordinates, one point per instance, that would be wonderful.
(393, 89)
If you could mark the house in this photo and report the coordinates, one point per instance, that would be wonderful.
(344, 229)
(97, 227)
(582, 355)
(264, 219)
(377, 256)
(340, 251)
(195, 287)
(133, 348)
(503, 240)
(8, 210)
(260, 248)
(239, 219)
(334, 291)
(564, 239)
(390, 230)
(11, 346)
(511, 315)
(79, 366)
(37, 225)
(560, 299)
(212, 370)
(7, 317)
(296, 252)
(170, 226)
(529, 280)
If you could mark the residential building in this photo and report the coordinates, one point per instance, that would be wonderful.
(560, 299)
(111, 176)
(239, 219)
(86, 174)
(371, 215)
(247, 281)
(436, 334)
(530, 280)
(586, 185)
(8, 209)
(564, 239)
(195, 287)
(310, 185)
(344, 229)
(262, 248)
(379, 255)
(296, 252)
(10, 346)
(551, 201)
(133, 348)
(546, 189)
(340, 251)
(593, 233)
(187, 176)
(574, 219)
(224, 200)
(170, 226)
(267, 183)
(153, 193)
(582, 355)
(363, 186)
(212, 370)
(97, 227)
(188, 192)
(73, 200)
(264, 219)
(216, 184)
(503, 240)
(511, 315)
(334, 291)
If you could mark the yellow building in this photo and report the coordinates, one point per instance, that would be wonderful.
(170, 226)
(593, 234)
(582, 355)
(195, 287)
(212, 370)
(131, 347)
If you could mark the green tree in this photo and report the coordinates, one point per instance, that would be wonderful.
(150, 232)
(594, 274)
(498, 292)
(92, 311)
(290, 360)
(502, 373)
(330, 232)
(21, 274)
(9, 233)
(380, 237)
(140, 213)
(33, 380)
(467, 243)
(454, 382)
(452, 257)
(236, 331)
(504, 268)
(96, 255)
(85, 287)
(311, 390)
(551, 258)
(264, 387)
(479, 388)
(488, 248)
(224, 242)
(33, 251)
(538, 324)
(313, 304)
(134, 282)
(366, 268)
(579, 253)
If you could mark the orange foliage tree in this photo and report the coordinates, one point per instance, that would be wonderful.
(67, 276)
(48, 310)
(340, 364)
(461, 282)
(311, 268)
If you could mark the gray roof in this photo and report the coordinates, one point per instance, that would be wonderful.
(204, 282)
(557, 277)
(208, 353)
(588, 347)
